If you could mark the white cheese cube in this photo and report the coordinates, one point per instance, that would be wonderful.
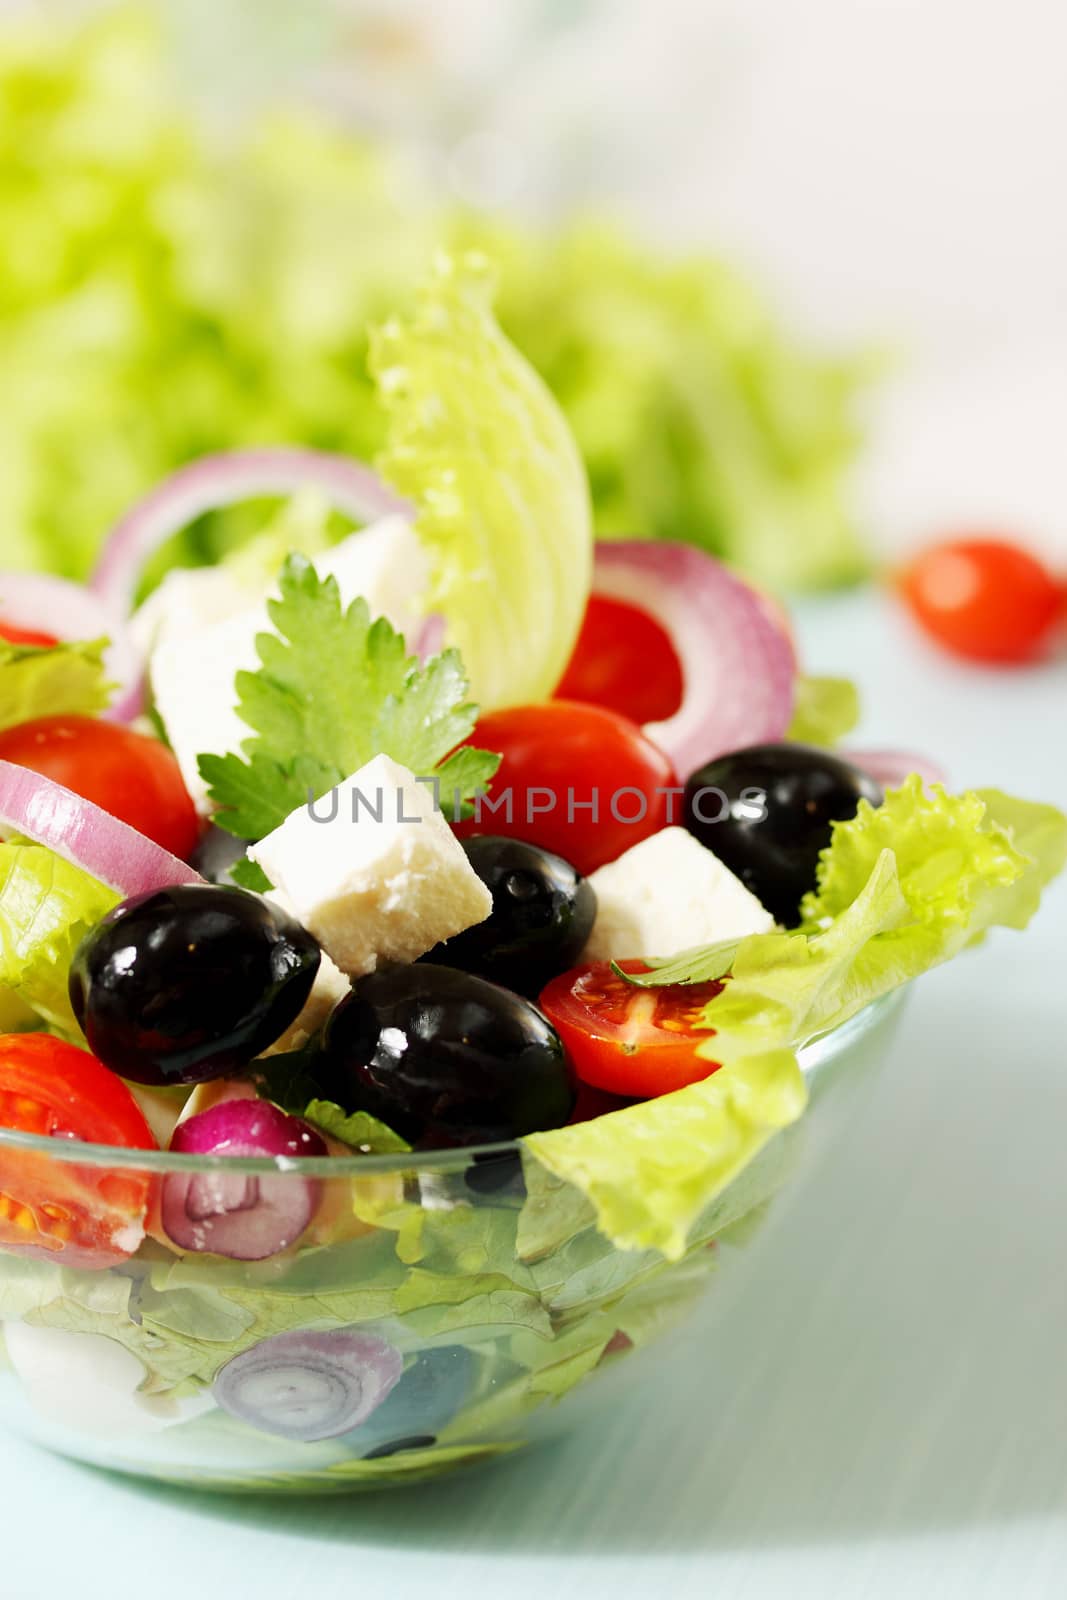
(192, 679)
(373, 870)
(194, 662)
(187, 600)
(666, 895)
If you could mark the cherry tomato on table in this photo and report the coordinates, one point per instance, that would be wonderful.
(984, 599)
(630, 1041)
(52, 1208)
(624, 660)
(576, 779)
(128, 774)
(13, 634)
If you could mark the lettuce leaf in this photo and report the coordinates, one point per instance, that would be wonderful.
(824, 710)
(651, 1169)
(901, 888)
(65, 679)
(47, 906)
(478, 443)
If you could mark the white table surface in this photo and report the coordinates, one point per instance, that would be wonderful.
(884, 1414)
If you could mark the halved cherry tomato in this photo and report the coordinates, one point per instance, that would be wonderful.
(624, 660)
(630, 1041)
(16, 635)
(984, 599)
(576, 779)
(51, 1207)
(134, 777)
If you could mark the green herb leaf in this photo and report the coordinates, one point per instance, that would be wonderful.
(335, 689)
(248, 874)
(704, 964)
(357, 1128)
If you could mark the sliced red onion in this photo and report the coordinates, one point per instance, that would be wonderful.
(429, 640)
(71, 611)
(86, 836)
(223, 480)
(309, 1386)
(738, 666)
(245, 1216)
(891, 767)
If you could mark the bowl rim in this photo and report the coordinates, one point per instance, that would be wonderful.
(812, 1056)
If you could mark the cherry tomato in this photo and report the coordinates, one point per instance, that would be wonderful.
(132, 776)
(984, 599)
(51, 1208)
(624, 660)
(635, 1042)
(578, 780)
(16, 635)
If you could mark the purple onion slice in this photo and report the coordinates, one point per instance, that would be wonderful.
(245, 1216)
(309, 1386)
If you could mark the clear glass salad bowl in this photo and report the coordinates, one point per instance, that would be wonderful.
(441, 1311)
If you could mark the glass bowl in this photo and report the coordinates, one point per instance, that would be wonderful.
(441, 1311)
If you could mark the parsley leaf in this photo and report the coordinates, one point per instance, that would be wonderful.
(702, 964)
(334, 689)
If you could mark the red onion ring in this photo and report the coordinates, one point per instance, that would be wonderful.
(221, 480)
(85, 835)
(70, 611)
(309, 1385)
(891, 767)
(738, 666)
(430, 639)
(245, 1217)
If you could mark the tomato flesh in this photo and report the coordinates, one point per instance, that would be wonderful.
(52, 1208)
(985, 599)
(132, 776)
(630, 1041)
(31, 636)
(624, 660)
(579, 780)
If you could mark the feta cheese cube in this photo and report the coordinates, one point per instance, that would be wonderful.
(373, 870)
(192, 678)
(668, 894)
(204, 624)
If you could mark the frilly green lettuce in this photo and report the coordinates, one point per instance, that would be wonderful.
(478, 443)
(901, 888)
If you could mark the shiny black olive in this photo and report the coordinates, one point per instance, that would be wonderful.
(189, 983)
(542, 916)
(767, 811)
(444, 1058)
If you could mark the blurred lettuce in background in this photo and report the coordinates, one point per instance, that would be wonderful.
(164, 292)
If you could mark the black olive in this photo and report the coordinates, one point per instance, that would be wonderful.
(542, 916)
(444, 1058)
(768, 811)
(191, 982)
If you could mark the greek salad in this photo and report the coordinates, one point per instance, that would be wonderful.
(453, 832)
